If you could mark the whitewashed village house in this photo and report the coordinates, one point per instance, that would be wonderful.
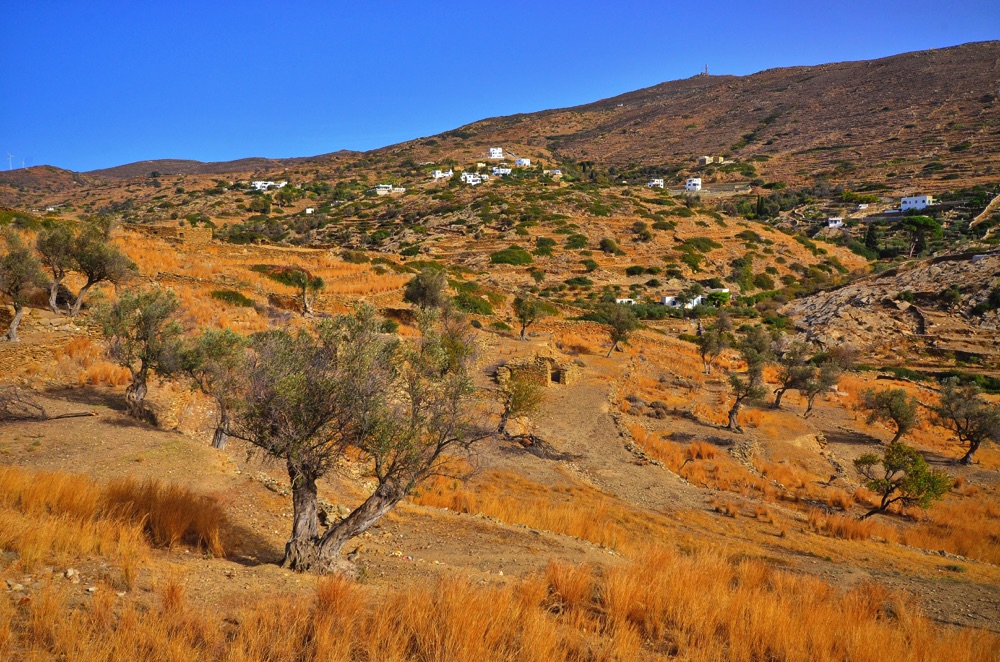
(916, 202)
(442, 174)
(835, 222)
(261, 185)
(523, 163)
(501, 171)
(693, 184)
(496, 153)
(655, 183)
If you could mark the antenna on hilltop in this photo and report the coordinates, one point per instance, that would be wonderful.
(706, 69)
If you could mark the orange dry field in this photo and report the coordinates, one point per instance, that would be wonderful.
(635, 527)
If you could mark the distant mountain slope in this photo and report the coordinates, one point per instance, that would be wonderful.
(885, 119)
(189, 167)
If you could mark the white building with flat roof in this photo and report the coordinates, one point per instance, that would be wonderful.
(442, 174)
(496, 152)
(693, 184)
(523, 163)
(917, 202)
(655, 183)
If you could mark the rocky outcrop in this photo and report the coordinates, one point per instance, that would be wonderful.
(904, 306)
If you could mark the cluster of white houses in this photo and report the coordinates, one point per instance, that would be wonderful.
(677, 301)
(265, 185)
(692, 184)
(388, 189)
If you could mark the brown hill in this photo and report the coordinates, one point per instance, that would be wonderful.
(885, 120)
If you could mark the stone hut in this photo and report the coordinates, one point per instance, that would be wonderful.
(543, 370)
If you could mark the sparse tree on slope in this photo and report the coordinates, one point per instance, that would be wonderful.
(307, 284)
(901, 475)
(973, 420)
(19, 274)
(794, 370)
(755, 348)
(715, 340)
(527, 311)
(56, 248)
(427, 289)
(622, 320)
(98, 261)
(890, 405)
(310, 398)
(144, 337)
(214, 361)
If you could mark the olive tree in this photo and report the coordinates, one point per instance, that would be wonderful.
(402, 406)
(427, 289)
(714, 340)
(19, 274)
(307, 285)
(901, 475)
(622, 322)
(891, 405)
(964, 412)
(55, 246)
(755, 348)
(527, 311)
(794, 370)
(99, 261)
(144, 337)
(214, 362)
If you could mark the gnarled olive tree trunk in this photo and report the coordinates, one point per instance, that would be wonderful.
(14, 323)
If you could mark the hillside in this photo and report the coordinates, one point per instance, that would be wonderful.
(878, 121)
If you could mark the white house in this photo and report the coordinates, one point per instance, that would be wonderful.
(655, 183)
(523, 163)
(501, 171)
(398, 189)
(630, 302)
(835, 222)
(440, 174)
(496, 153)
(383, 189)
(553, 173)
(309, 210)
(862, 206)
(473, 179)
(693, 184)
(674, 301)
(915, 202)
(264, 185)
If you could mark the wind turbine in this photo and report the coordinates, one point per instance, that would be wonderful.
(10, 161)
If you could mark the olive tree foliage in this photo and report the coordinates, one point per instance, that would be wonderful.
(891, 405)
(20, 273)
(56, 248)
(527, 311)
(794, 369)
(214, 362)
(98, 261)
(520, 396)
(307, 285)
(403, 407)
(622, 321)
(755, 347)
(964, 412)
(143, 336)
(901, 475)
(427, 289)
(714, 340)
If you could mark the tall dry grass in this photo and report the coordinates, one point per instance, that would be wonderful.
(697, 606)
(57, 517)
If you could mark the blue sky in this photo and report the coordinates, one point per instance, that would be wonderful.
(87, 85)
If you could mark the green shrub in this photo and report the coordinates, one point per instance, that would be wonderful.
(471, 303)
(232, 297)
(576, 241)
(512, 255)
(579, 281)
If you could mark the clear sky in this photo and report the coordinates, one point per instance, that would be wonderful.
(93, 84)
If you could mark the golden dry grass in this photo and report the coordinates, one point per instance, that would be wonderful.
(698, 606)
(55, 516)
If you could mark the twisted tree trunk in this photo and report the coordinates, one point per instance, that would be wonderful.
(78, 303)
(301, 550)
(14, 323)
(221, 430)
(54, 297)
(135, 394)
